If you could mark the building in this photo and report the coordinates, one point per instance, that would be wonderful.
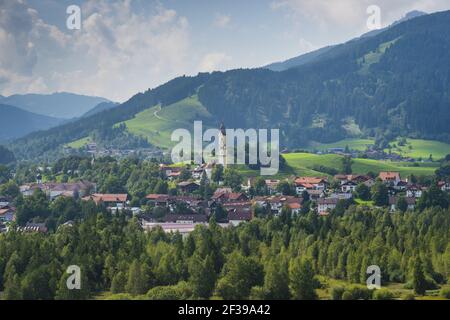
(186, 218)
(158, 200)
(33, 227)
(392, 178)
(7, 214)
(325, 205)
(187, 186)
(116, 201)
(393, 203)
(272, 186)
(237, 216)
(348, 186)
(54, 190)
(414, 191)
(310, 183)
(444, 186)
(222, 152)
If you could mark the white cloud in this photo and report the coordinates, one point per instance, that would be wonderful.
(215, 61)
(222, 21)
(117, 52)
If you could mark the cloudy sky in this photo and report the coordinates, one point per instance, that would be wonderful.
(128, 46)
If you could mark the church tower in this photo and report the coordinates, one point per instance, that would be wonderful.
(222, 152)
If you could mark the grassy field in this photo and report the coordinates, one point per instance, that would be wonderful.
(353, 144)
(414, 148)
(304, 163)
(417, 148)
(156, 124)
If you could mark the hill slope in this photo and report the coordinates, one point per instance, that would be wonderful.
(59, 105)
(17, 122)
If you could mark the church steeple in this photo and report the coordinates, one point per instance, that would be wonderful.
(222, 129)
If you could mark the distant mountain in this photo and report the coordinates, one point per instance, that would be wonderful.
(395, 83)
(16, 122)
(58, 105)
(316, 55)
(100, 108)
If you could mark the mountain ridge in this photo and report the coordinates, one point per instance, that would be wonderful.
(63, 105)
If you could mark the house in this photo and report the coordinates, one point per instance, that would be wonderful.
(169, 171)
(277, 203)
(295, 207)
(393, 203)
(158, 200)
(272, 185)
(197, 173)
(237, 216)
(186, 219)
(341, 196)
(54, 190)
(33, 227)
(392, 178)
(117, 201)
(344, 178)
(348, 186)
(310, 183)
(226, 195)
(7, 214)
(4, 201)
(414, 191)
(187, 186)
(325, 205)
(444, 186)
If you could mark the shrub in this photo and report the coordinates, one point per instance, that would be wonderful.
(445, 292)
(357, 293)
(383, 294)
(409, 296)
(337, 293)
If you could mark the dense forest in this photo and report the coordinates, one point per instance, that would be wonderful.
(382, 86)
(271, 258)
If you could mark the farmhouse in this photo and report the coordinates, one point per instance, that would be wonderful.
(310, 183)
(187, 187)
(325, 205)
(393, 203)
(117, 201)
(392, 178)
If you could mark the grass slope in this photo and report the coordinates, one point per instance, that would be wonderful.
(303, 164)
(77, 144)
(156, 124)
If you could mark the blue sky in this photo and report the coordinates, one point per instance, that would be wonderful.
(129, 46)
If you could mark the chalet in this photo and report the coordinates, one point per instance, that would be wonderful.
(223, 195)
(392, 178)
(272, 185)
(344, 178)
(170, 172)
(414, 191)
(187, 186)
(237, 216)
(444, 186)
(277, 203)
(393, 203)
(197, 173)
(310, 183)
(314, 195)
(117, 201)
(158, 200)
(349, 186)
(7, 213)
(325, 205)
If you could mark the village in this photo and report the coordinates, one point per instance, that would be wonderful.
(183, 211)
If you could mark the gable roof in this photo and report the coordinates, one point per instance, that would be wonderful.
(388, 175)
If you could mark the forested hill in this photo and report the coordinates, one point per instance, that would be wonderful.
(394, 83)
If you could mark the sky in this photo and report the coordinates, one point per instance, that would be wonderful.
(128, 46)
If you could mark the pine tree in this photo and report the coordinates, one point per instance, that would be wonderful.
(202, 276)
(419, 281)
(301, 278)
